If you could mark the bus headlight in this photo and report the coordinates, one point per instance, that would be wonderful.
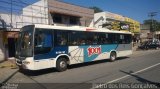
(26, 62)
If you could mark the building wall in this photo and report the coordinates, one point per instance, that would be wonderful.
(39, 12)
(144, 33)
(36, 13)
(157, 35)
(85, 14)
(1, 47)
(99, 19)
(144, 26)
(112, 18)
(14, 24)
(134, 25)
(107, 17)
(31, 14)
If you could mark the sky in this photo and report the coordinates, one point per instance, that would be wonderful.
(135, 9)
(17, 5)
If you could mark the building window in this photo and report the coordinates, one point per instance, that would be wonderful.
(74, 20)
(57, 18)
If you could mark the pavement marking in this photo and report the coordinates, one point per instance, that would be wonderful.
(133, 73)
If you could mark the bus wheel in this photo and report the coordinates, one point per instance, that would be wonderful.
(113, 56)
(61, 64)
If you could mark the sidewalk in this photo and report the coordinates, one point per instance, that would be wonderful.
(134, 48)
(7, 69)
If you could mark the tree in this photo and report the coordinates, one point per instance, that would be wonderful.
(96, 9)
(154, 25)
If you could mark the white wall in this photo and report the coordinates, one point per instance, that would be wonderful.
(1, 48)
(105, 16)
(100, 22)
(96, 17)
(35, 13)
(15, 20)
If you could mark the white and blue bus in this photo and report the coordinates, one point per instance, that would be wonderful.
(47, 46)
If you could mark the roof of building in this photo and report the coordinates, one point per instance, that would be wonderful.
(71, 4)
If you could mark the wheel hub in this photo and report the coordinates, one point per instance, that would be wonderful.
(62, 64)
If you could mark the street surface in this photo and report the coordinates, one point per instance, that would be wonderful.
(141, 67)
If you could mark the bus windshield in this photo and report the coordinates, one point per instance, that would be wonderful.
(24, 45)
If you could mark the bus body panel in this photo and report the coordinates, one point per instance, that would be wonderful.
(43, 64)
(124, 50)
(97, 52)
(124, 53)
(27, 63)
(78, 53)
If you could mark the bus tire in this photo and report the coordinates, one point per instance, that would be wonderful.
(61, 64)
(113, 56)
(21, 69)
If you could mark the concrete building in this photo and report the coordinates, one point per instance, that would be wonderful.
(3, 27)
(62, 13)
(12, 22)
(34, 13)
(2, 53)
(41, 12)
(118, 22)
(105, 18)
(145, 32)
(115, 22)
(157, 35)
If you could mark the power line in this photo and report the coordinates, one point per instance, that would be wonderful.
(152, 14)
(152, 26)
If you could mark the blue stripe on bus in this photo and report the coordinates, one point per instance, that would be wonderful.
(53, 53)
(64, 50)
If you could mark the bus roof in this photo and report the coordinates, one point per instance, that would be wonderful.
(79, 28)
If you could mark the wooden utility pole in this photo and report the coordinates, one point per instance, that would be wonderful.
(11, 13)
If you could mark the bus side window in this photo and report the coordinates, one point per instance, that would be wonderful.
(43, 41)
(61, 38)
(112, 38)
(77, 38)
(127, 38)
(63, 41)
(121, 40)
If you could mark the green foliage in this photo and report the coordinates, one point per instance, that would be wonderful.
(155, 25)
(96, 9)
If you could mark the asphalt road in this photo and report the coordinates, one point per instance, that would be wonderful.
(139, 68)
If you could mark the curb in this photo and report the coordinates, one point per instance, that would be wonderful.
(8, 70)
(2, 61)
(4, 81)
(8, 65)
